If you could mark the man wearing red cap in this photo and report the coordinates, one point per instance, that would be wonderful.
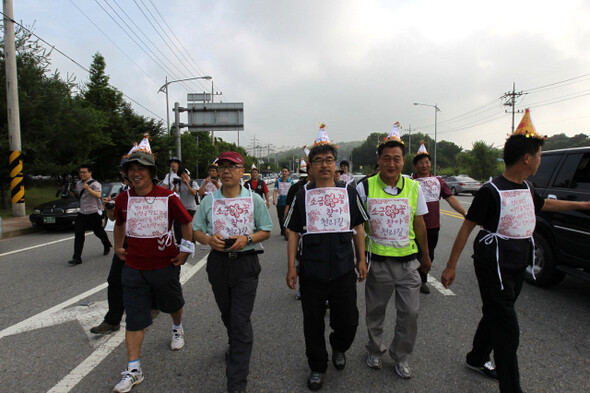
(231, 220)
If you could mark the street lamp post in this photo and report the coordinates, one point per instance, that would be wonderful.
(436, 110)
(164, 89)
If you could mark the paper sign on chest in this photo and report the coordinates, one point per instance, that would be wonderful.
(390, 221)
(327, 210)
(517, 216)
(233, 216)
(147, 217)
(430, 188)
(284, 188)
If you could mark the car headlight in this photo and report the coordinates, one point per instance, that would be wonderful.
(73, 210)
(36, 211)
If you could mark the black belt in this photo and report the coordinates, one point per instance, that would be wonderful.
(381, 258)
(236, 255)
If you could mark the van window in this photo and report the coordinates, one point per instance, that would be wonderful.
(581, 180)
(546, 168)
(567, 170)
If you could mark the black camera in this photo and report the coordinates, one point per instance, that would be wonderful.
(110, 205)
(215, 178)
(229, 242)
(176, 180)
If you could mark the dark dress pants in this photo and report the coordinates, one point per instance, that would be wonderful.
(344, 317)
(234, 283)
(432, 235)
(281, 217)
(82, 223)
(115, 292)
(498, 329)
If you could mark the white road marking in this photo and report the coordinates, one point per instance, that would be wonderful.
(84, 368)
(37, 246)
(40, 245)
(46, 318)
(439, 287)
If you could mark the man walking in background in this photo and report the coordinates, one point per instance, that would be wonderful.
(88, 191)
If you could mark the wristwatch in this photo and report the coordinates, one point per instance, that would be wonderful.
(249, 239)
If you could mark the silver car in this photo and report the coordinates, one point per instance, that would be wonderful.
(459, 184)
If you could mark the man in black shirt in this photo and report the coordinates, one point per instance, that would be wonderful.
(330, 218)
(505, 209)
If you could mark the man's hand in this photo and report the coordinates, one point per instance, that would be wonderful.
(180, 259)
(447, 277)
(292, 278)
(216, 242)
(361, 267)
(121, 253)
(425, 264)
(241, 242)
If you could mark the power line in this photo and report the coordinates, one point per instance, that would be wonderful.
(178, 40)
(113, 42)
(76, 63)
(196, 82)
(145, 50)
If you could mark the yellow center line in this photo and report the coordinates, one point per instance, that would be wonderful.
(452, 214)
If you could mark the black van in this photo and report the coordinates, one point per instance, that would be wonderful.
(562, 239)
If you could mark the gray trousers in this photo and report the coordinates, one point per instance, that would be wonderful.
(383, 279)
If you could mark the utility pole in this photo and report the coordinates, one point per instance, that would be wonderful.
(410, 138)
(511, 96)
(17, 188)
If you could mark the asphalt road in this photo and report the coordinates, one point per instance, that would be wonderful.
(48, 306)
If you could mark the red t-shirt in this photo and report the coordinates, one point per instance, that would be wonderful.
(145, 253)
(432, 218)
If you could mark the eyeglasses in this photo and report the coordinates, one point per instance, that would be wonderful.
(327, 161)
(231, 167)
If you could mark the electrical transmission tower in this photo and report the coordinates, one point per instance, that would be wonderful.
(510, 97)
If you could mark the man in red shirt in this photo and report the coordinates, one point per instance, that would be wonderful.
(258, 186)
(152, 262)
(433, 188)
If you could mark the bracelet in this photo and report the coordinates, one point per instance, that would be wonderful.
(187, 246)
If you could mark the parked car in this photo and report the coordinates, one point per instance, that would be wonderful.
(562, 239)
(61, 213)
(462, 183)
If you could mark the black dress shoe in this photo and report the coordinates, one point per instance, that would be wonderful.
(339, 360)
(75, 262)
(315, 381)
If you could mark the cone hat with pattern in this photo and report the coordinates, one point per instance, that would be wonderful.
(393, 135)
(422, 150)
(526, 127)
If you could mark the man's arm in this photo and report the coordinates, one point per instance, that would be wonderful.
(202, 189)
(422, 239)
(552, 205)
(94, 193)
(187, 234)
(456, 205)
(274, 196)
(359, 249)
(448, 275)
(119, 238)
(293, 241)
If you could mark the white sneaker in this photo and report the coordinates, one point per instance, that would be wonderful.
(130, 378)
(177, 339)
(373, 360)
(403, 370)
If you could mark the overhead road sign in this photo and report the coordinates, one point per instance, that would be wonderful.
(218, 116)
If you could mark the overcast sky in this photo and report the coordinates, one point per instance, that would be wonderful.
(355, 65)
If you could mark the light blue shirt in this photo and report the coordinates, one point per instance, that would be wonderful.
(262, 220)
